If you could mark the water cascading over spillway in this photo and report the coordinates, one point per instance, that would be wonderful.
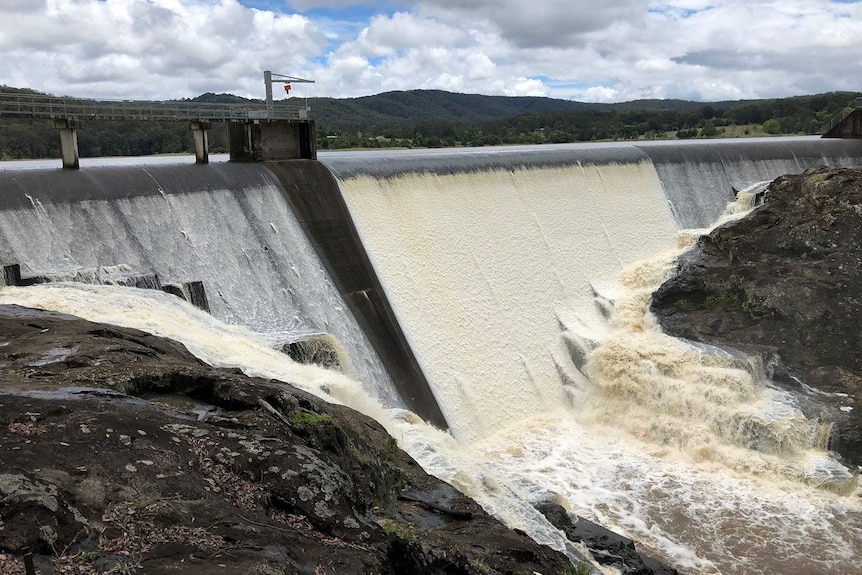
(228, 225)
(504, 270)
(483, 266)
(521, 279)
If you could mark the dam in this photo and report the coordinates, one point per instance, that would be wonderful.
(517, 278)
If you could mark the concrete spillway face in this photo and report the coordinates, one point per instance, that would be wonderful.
(319, 205)
(227, 225)
(484, 254)
(699, 176)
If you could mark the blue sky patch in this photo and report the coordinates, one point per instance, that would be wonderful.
(674, 12)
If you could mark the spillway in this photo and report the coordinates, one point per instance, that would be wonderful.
(522, 277)
(519, 279)
(228, 225)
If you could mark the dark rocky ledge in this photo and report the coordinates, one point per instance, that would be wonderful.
(607, 548)
(785, 282)
(121, 452)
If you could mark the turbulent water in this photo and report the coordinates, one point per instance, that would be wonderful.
(259, 268)
(523, 290)
(524, 293)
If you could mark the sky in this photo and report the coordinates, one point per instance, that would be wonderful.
(587, 50)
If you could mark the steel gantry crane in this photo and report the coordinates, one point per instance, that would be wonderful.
(269, 79)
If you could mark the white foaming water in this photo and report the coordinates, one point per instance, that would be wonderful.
(258, 266)
(501, 281)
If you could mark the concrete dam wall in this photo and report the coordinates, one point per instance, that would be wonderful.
(489, 255)
(295, 249)
(231, 226)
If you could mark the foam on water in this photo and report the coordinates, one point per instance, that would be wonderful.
(699, 516)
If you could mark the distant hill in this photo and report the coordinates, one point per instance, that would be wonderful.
(432, 118)
(394, 108)
(210, 98)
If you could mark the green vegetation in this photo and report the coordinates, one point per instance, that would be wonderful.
(308, 418)
(400, 529)
(753, 306)
(724, 297)
(580, 569)
(432, 118)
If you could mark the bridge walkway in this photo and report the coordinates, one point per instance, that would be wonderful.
(258, 131)
(61, 108)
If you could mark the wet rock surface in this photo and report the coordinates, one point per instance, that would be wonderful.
(121, 452)
(607, 548)
(785, 282)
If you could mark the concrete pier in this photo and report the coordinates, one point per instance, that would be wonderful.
(849, 127)
(200, 131)
(262, 140)
(68, 142)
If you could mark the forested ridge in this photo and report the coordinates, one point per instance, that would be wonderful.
(433, 118)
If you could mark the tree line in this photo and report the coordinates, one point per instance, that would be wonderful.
(440, 119)
(798, 115)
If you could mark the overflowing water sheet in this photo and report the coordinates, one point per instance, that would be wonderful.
(481, 267)
(524, 291)
(231, 228)
(521, 279)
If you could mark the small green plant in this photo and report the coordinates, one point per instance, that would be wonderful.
(753, 307)
(724, 297)
(406, 531)
(579, 569)
(309, 418)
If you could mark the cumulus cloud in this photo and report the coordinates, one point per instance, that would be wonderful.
(151, 48)
(609, 51)
(545, 22)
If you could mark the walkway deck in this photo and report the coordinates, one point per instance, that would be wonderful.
(58, 108)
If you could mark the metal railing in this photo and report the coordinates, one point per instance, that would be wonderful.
(52, 107)
(842, 115)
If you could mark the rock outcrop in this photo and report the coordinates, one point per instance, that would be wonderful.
(606, 547)
(121, 452)
(785, 282)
